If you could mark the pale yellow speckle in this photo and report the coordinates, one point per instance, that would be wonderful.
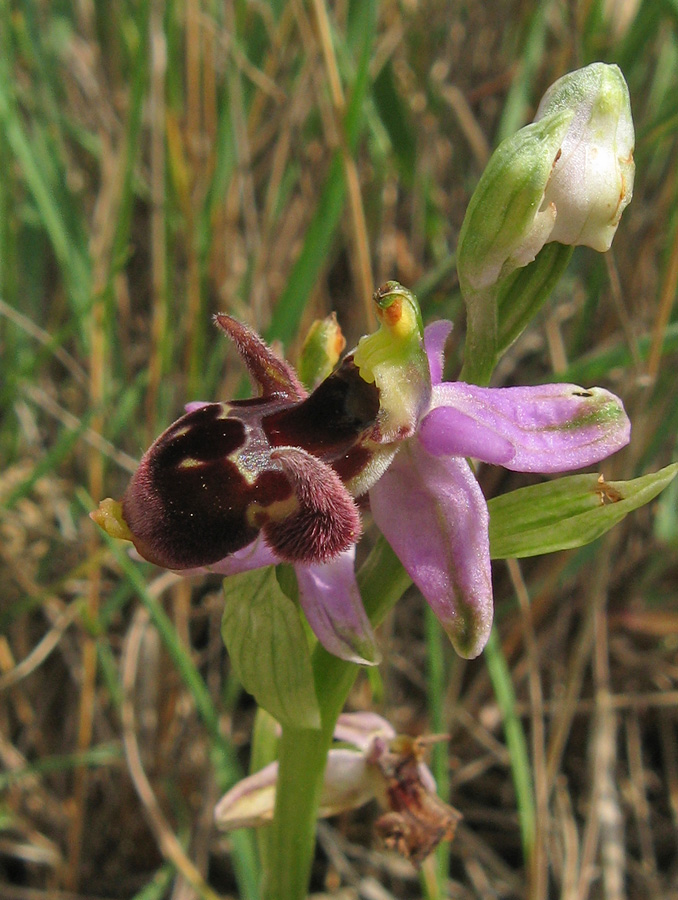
(258, 513)
(190, 463)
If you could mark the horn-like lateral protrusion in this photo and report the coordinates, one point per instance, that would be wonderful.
(327, 520)
(271, 373)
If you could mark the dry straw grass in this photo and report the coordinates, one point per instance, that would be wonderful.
(165, 160)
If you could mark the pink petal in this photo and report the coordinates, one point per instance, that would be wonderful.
(433, 513)
(548, 428)
(253, 556)
(435, 336)
(195, 404)
(329, 596)
(360, 728)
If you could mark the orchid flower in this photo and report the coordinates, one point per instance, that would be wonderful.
(234, 486)
(379, 765)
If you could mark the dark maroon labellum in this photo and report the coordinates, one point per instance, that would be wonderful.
(223, 472)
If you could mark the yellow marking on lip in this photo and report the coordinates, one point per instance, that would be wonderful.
(258, 514)
(180, 432)
(189, 462)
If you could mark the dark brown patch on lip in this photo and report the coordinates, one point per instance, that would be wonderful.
(330, 421)
(352, 463)
(202, 490)
(200, 435)
(186, 504)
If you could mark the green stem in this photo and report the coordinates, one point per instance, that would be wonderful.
(436, 640)
(303, 753)
(480, 350)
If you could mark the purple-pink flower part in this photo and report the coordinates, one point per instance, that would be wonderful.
(234, 486)
(429, 505)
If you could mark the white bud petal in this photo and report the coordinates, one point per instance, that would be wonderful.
(592, 179)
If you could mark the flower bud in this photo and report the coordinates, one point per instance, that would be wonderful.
(566, 177)
(592, 179)
(320, 353)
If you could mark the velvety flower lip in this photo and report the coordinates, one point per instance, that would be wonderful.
(279, 463)
(429, 505)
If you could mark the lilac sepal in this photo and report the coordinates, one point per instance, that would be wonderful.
(253, 556)
(547, 428)
(435, 336)
(432, 512)
(195, 404)
(329, 596)
(361, 728)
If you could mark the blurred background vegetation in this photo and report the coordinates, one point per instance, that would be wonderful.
(165, 160)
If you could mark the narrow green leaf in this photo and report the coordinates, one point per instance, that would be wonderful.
(265, 639)
(394, 115)
(102, 755)
(566, 513)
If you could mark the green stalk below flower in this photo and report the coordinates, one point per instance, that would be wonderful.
(303, 752)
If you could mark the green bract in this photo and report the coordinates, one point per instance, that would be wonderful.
(267, 647)
(566, 513)
(506, 223)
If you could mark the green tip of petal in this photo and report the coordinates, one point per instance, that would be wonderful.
(470, 632)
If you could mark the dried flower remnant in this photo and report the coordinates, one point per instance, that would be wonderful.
(417, 819)
(382, 766)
